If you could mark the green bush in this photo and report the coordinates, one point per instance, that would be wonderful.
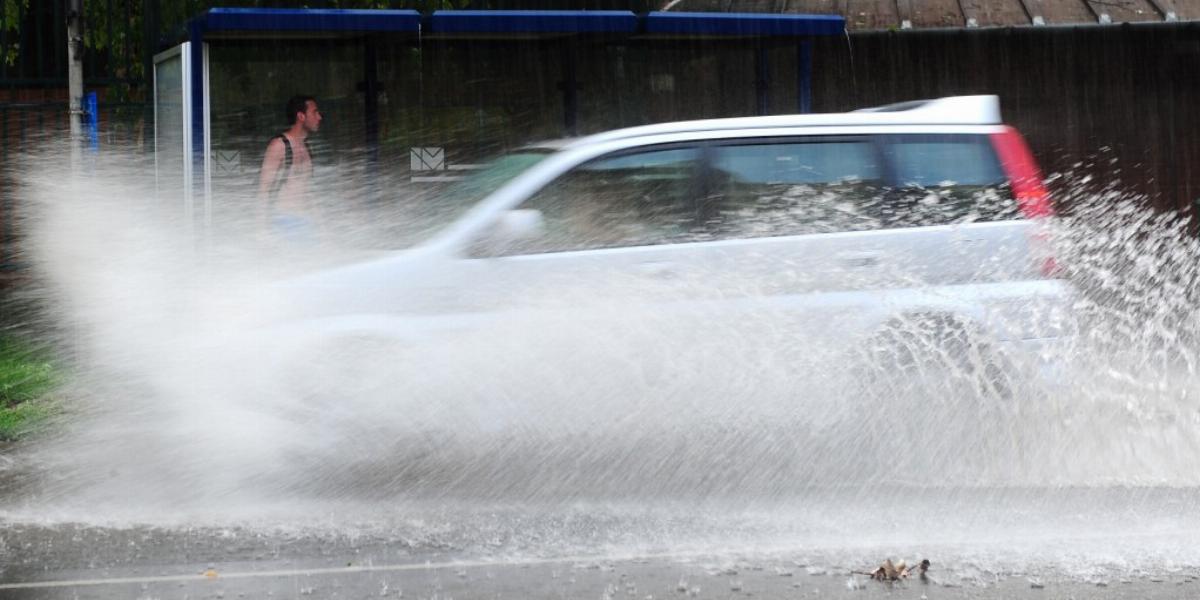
(27, 376)
(23, 418)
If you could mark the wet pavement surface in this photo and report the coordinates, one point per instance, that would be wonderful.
(69, 531)
(91, 561)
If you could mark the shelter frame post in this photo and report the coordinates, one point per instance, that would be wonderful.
(804, 76)
(762, 78)
(570, 86)
(371, 89)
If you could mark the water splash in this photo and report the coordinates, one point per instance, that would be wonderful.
(176, 415)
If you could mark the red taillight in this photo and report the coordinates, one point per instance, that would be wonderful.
(1032, 198)
(1023, 174)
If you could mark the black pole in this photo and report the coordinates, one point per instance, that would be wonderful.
(371, 115)
(149, 49)
(371, 99)
(570, 89)
(762, 79)
(804, 76)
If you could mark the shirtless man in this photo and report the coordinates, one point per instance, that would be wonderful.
(284, 205)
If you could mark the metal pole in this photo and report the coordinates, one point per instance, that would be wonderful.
(149, 49)
(371, 116)
(762, 78)
(570, 88)
(804, 77)
(75, 77)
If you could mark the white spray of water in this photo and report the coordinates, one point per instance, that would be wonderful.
(177, 411)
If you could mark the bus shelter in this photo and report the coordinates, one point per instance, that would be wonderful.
(412, 100)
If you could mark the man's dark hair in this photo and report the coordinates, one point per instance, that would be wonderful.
(296, 104)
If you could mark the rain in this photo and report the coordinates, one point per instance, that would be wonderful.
(620, 299)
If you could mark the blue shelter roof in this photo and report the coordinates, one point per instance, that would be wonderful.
(533, 21)
(492, 23)
(310, 20)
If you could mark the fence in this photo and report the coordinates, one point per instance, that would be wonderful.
(1116, 103)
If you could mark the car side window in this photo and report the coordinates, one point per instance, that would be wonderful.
(637, 198)
(766, 189)
(946, 179)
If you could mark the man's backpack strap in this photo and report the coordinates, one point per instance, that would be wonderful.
(287, 165)
(287, 153)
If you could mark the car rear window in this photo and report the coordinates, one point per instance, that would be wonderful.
(945, 161)
(945, 179)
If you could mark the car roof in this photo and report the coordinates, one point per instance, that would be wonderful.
(953, 110)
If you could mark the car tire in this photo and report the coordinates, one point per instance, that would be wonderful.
(934, 404)
(938, 345)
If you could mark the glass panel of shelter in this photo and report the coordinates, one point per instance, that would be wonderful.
(459, 101)
(171, 140)
(250, 83)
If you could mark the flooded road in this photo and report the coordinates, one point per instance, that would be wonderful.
(982, 543)
(357, 574)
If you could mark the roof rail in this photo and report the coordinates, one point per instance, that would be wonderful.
(897, 107)
(955, 110)
(980, 109)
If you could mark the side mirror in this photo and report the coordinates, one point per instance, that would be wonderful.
(511, 230)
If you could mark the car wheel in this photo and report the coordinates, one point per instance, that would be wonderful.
(939, 350)
(934, 395)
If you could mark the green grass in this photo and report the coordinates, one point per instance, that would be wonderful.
(27, 378)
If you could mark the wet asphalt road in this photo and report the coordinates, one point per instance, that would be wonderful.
(70, 561)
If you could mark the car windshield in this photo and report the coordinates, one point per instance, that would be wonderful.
(423, 214)
(476, 186)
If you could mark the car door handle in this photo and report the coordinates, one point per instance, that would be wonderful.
(858, 259)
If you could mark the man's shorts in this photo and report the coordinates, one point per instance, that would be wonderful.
(295, 229)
